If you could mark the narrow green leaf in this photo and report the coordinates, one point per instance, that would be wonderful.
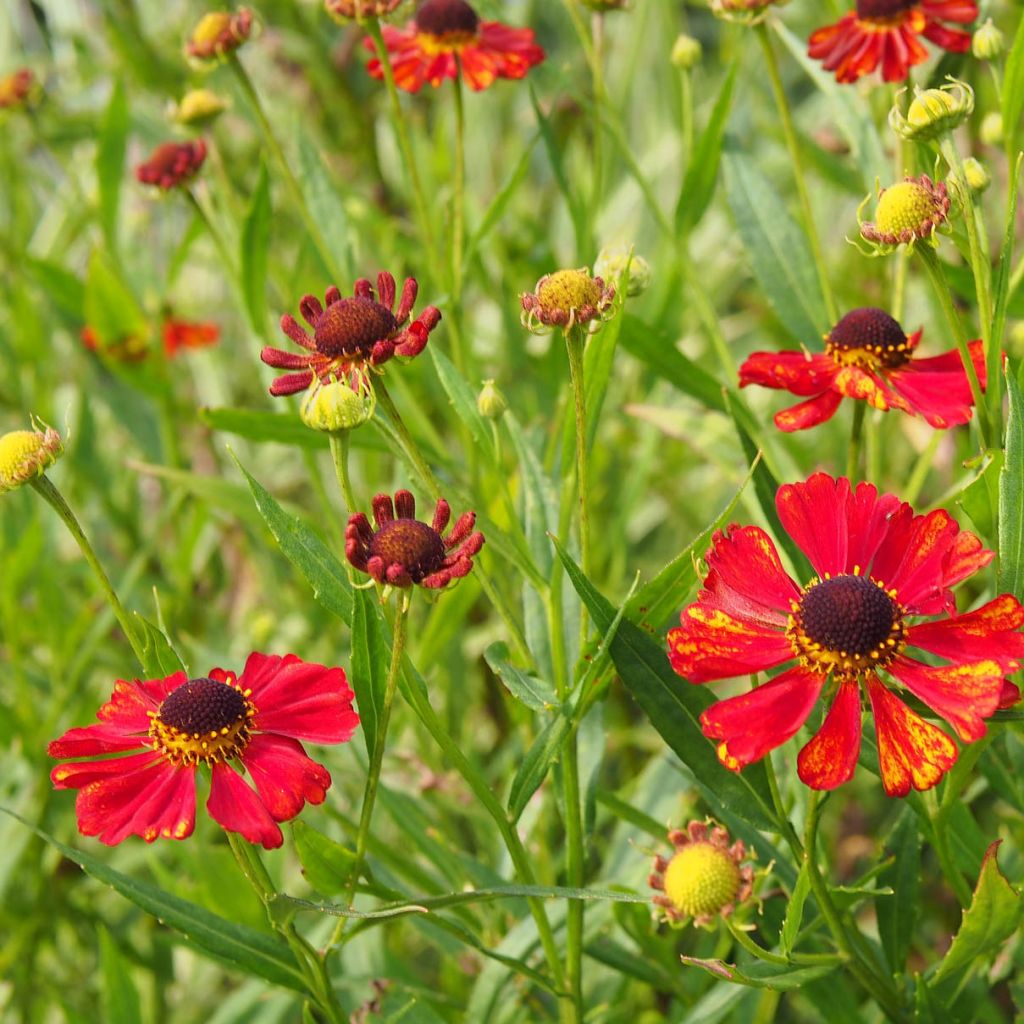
(759, 974)
(1010, 578)
(536, 763)
(278, 427)
(698, 186)
(111, 309)
(235, 945)
(1013, 92)
(1001, 291)
(159, 658)
(120, 996)
(255, 242)
(535, 693)
(370, 658)
(673, 707)
(980, 498)
(897, 914)
(306, 551)
(779, 253)
(323, 201)
(110, 153)
(326, 864)
(995, 913)
(463, 401)
(62, 287)
(795, 911)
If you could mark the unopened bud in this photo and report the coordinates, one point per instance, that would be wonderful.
(491, 403)
(337, 405)
(988, 42)
(990, 131)
(686, 52)
(613, 262)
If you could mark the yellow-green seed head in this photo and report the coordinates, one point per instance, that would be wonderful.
(903, 207)
(335, 406)
(686, 52)
(25, 454)
(988, 42)
(701, 879)
(491, 403)
(199, 107)
(569, 289)
(210, 27)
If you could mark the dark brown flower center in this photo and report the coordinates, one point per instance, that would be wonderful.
(872, 332)
(442, 17)
(202, 706)
(351, 327)
(411, 544)
(849, 614)
(883, 8)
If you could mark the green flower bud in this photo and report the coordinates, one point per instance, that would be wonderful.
(612, 263)
(988, 42)
(337, 406)
(491, 403)
(934, 112)
(991, 129)
(686, 52)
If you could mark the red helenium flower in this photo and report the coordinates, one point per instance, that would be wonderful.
(447, 38)
(163, 729)
(886, 32)
(868, 357)
(179, 334)
(879, 565)
(172, 164)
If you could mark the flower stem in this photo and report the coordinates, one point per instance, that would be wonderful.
(793, 145)
(408, 445)
(856, 436)
(575, 341)
(942, 293)
(55, 499)
(940, 839)
(339, 441)
(597, 78)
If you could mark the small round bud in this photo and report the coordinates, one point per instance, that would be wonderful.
(25, 454)
(990, 131)
(198, 108)
(612, 264)
(988, 42)
(745, 12)
(933, 112)
(491, 403)
(686, 52)
(976, 174)
(337, 405)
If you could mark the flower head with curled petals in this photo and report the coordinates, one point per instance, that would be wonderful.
(217, 35)
(172, 164)
(350, 334)
(27, 454)
(566, 298)
(868, 357)
(403, 551)
(358, 10)
(885, 32)
(908, 212)
(164, 730)
(705, 877)
(848, 631)
(447, 39)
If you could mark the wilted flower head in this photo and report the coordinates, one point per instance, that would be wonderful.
(746, 12)
(339, 404)
(218, 34)
(26, 454)
(446, 38)
(357, 10)
(198, 107)
(612, 263)
(403, 551)
(933, 112)
(18, 89)
(705, 877)
(566, 298)
(172, 164)
(350, 333)
(908, 212)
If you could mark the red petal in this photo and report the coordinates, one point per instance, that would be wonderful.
(754, 723)
(237, 808)
(746, 578)
(830, 758)
(816, 515)
(805, 415)
(79, 774)
(987, 632)
(284, 776)
(796, 372)
(870, 517)
(963, 11)
(1009, 695)
(947, 38)
(94, 739)
(911, 560)
(911, 752)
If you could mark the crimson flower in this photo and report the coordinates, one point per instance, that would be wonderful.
(164, 729)
(183, 334)
(350, 333)
(868, 357)
(886, 32)
(403, 551)
(878, 566)
(446, 38)
(172, 164)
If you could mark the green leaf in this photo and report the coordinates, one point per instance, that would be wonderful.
(995, 913)
(795, 911)
(306, 551)
(370, 658)
(63, 288)
(278, 427)
(326, 864)
(159, 658)
(759, 974)
(255, 242)
(529, 690)
(779, 253)
(235, 945)
(980, 498)
(1001, 291)
(463, 401)
(110, 152)
(657, 349)
(325, 206)
(535, 764)
(673, 707)
(698, 186)
(897, 914)
(1013, 92)
(111, 309)
(1010, 578)
(120, 997)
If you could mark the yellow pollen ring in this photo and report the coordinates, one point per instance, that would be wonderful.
(183, 749)
(449, 42)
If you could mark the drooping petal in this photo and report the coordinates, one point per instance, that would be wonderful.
(746, 578)
(94, 739)
(853, 382)
(797, 372)
(78, 774)
(284, 776)
(816, 515)
(712, 644)
(811, 413)
(964, 694)
(991, 631)
(831, 756)
(236, 806)
(911, 751)
(911, 561)
(752, 724)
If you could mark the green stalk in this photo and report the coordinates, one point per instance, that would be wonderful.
(793, 145)
(943, 294)
(575, 341)
(55, 499)
(856, 435)
(786, 828)
(940, 840)
(804, 959)
(339, 441)
(597, 75)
